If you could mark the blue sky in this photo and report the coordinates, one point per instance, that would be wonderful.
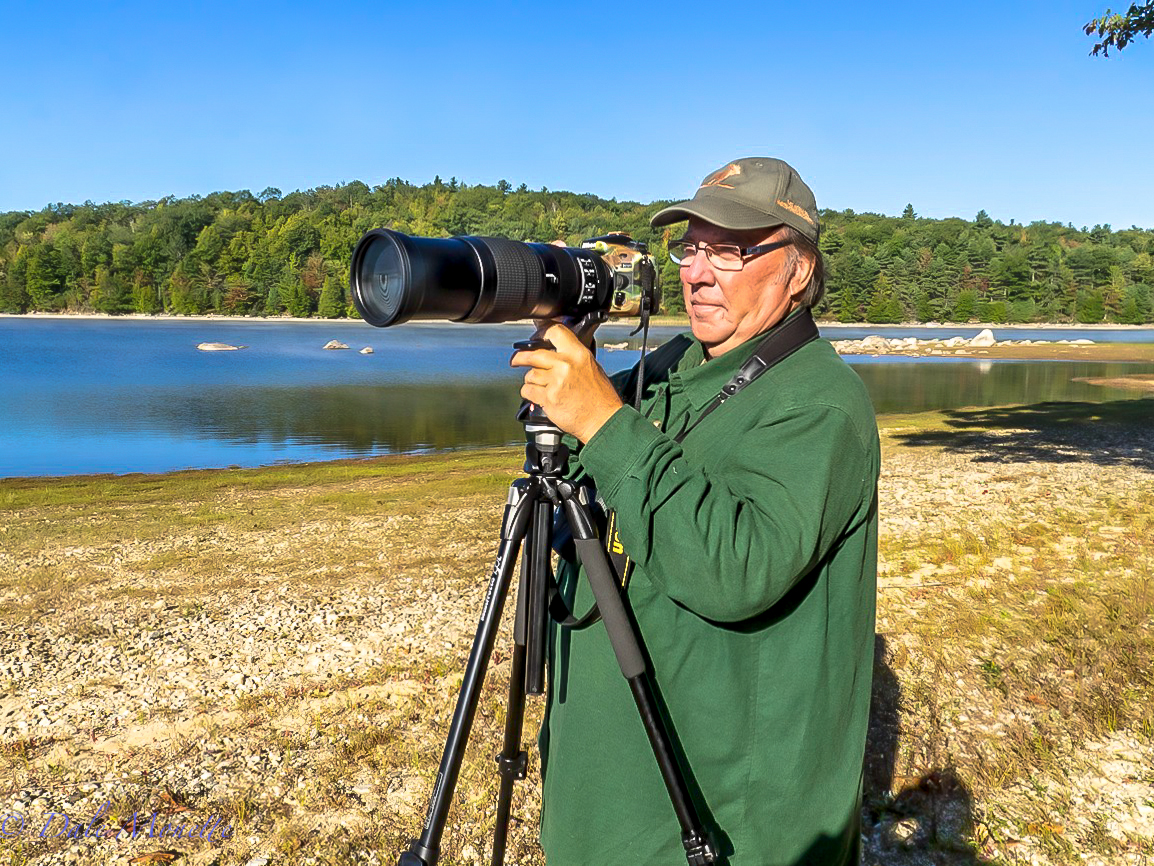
(953, 107)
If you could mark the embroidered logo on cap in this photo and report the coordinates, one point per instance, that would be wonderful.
(797, 210)
(722, 174)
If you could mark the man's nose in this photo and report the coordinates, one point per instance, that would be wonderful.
(698, 270)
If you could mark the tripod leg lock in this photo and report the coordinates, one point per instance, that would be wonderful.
(419, 855)
(699, 850)
(516, 768)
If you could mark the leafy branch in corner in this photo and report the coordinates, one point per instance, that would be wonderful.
(1117, 31)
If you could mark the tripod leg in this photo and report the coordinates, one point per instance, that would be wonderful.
(540, 550)
(699, 848)
(425, 850)
(513, 761)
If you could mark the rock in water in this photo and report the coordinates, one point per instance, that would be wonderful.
(984, 339)
(367, 350)
(217, 347)
(335, 344)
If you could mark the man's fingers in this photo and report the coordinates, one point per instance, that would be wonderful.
(562, 338)
(542, 359)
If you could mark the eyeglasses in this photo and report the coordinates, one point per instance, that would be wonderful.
(724, 257)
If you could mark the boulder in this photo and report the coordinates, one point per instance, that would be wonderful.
(984, 339)
(875, 343)
(217, 347)
(367, 350)
(335, 344)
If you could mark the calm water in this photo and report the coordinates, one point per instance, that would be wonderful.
(83, 396)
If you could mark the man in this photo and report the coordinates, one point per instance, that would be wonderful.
(754, 536)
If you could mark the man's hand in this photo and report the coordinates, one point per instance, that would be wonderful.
(568, 384)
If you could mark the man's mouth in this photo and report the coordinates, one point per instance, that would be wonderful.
(703, 307)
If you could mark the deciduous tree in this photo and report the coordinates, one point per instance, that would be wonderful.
(1119, 30)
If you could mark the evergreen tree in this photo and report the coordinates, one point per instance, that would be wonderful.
(1091, 307)
(848, 307)
(43, 280)
(298, 301)
(965, 306)
(1135, 305)
(923, 309)
(144, 297)
(273, 306)
(884, 307)
(332, 302)
(1021, 312)
(109, 295)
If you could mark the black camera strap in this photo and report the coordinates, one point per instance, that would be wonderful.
(781, 342)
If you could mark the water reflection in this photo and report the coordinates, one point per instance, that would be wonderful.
(369, 419)
(921, 385)
(405, 418)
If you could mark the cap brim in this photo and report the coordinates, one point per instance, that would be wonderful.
(727, 214)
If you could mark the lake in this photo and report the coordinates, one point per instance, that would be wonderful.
(84, 396)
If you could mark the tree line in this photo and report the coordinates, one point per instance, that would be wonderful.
(272, 254)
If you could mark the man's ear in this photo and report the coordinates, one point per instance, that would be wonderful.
(799, 278)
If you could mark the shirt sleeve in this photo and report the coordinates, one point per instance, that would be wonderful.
(730, 542)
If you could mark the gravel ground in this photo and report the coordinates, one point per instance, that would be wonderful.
(136, 688)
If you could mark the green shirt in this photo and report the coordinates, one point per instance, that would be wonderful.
(755, 542)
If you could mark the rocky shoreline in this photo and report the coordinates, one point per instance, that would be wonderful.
(877, 345)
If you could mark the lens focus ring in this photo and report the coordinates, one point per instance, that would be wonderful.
(517, 272)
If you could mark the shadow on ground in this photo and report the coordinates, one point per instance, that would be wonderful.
(917, 820)
(1117, 433)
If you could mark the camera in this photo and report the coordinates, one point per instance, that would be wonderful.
(395, 278)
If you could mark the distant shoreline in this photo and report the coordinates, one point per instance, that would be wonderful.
(660, 321)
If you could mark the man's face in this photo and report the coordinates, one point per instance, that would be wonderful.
(726, 308)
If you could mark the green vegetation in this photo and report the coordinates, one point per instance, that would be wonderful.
(273, 254)
(1118, 31)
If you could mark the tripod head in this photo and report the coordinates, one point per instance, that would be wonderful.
(546, 454)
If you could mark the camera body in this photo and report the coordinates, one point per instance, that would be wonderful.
(637, 275)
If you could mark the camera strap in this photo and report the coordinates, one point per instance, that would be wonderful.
(781, 342)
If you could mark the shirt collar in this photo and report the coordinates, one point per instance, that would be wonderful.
(700, 380)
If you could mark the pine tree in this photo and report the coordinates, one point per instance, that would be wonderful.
(1091, 307)
(332, 302)
(109, 296)
(885, 306)
(965, 306)
(849, 307)
(923, 309)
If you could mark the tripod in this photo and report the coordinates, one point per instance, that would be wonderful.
(528, 518)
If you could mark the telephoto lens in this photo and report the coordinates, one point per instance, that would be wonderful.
(397, 277)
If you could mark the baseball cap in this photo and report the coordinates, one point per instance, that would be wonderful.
(751, 193)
